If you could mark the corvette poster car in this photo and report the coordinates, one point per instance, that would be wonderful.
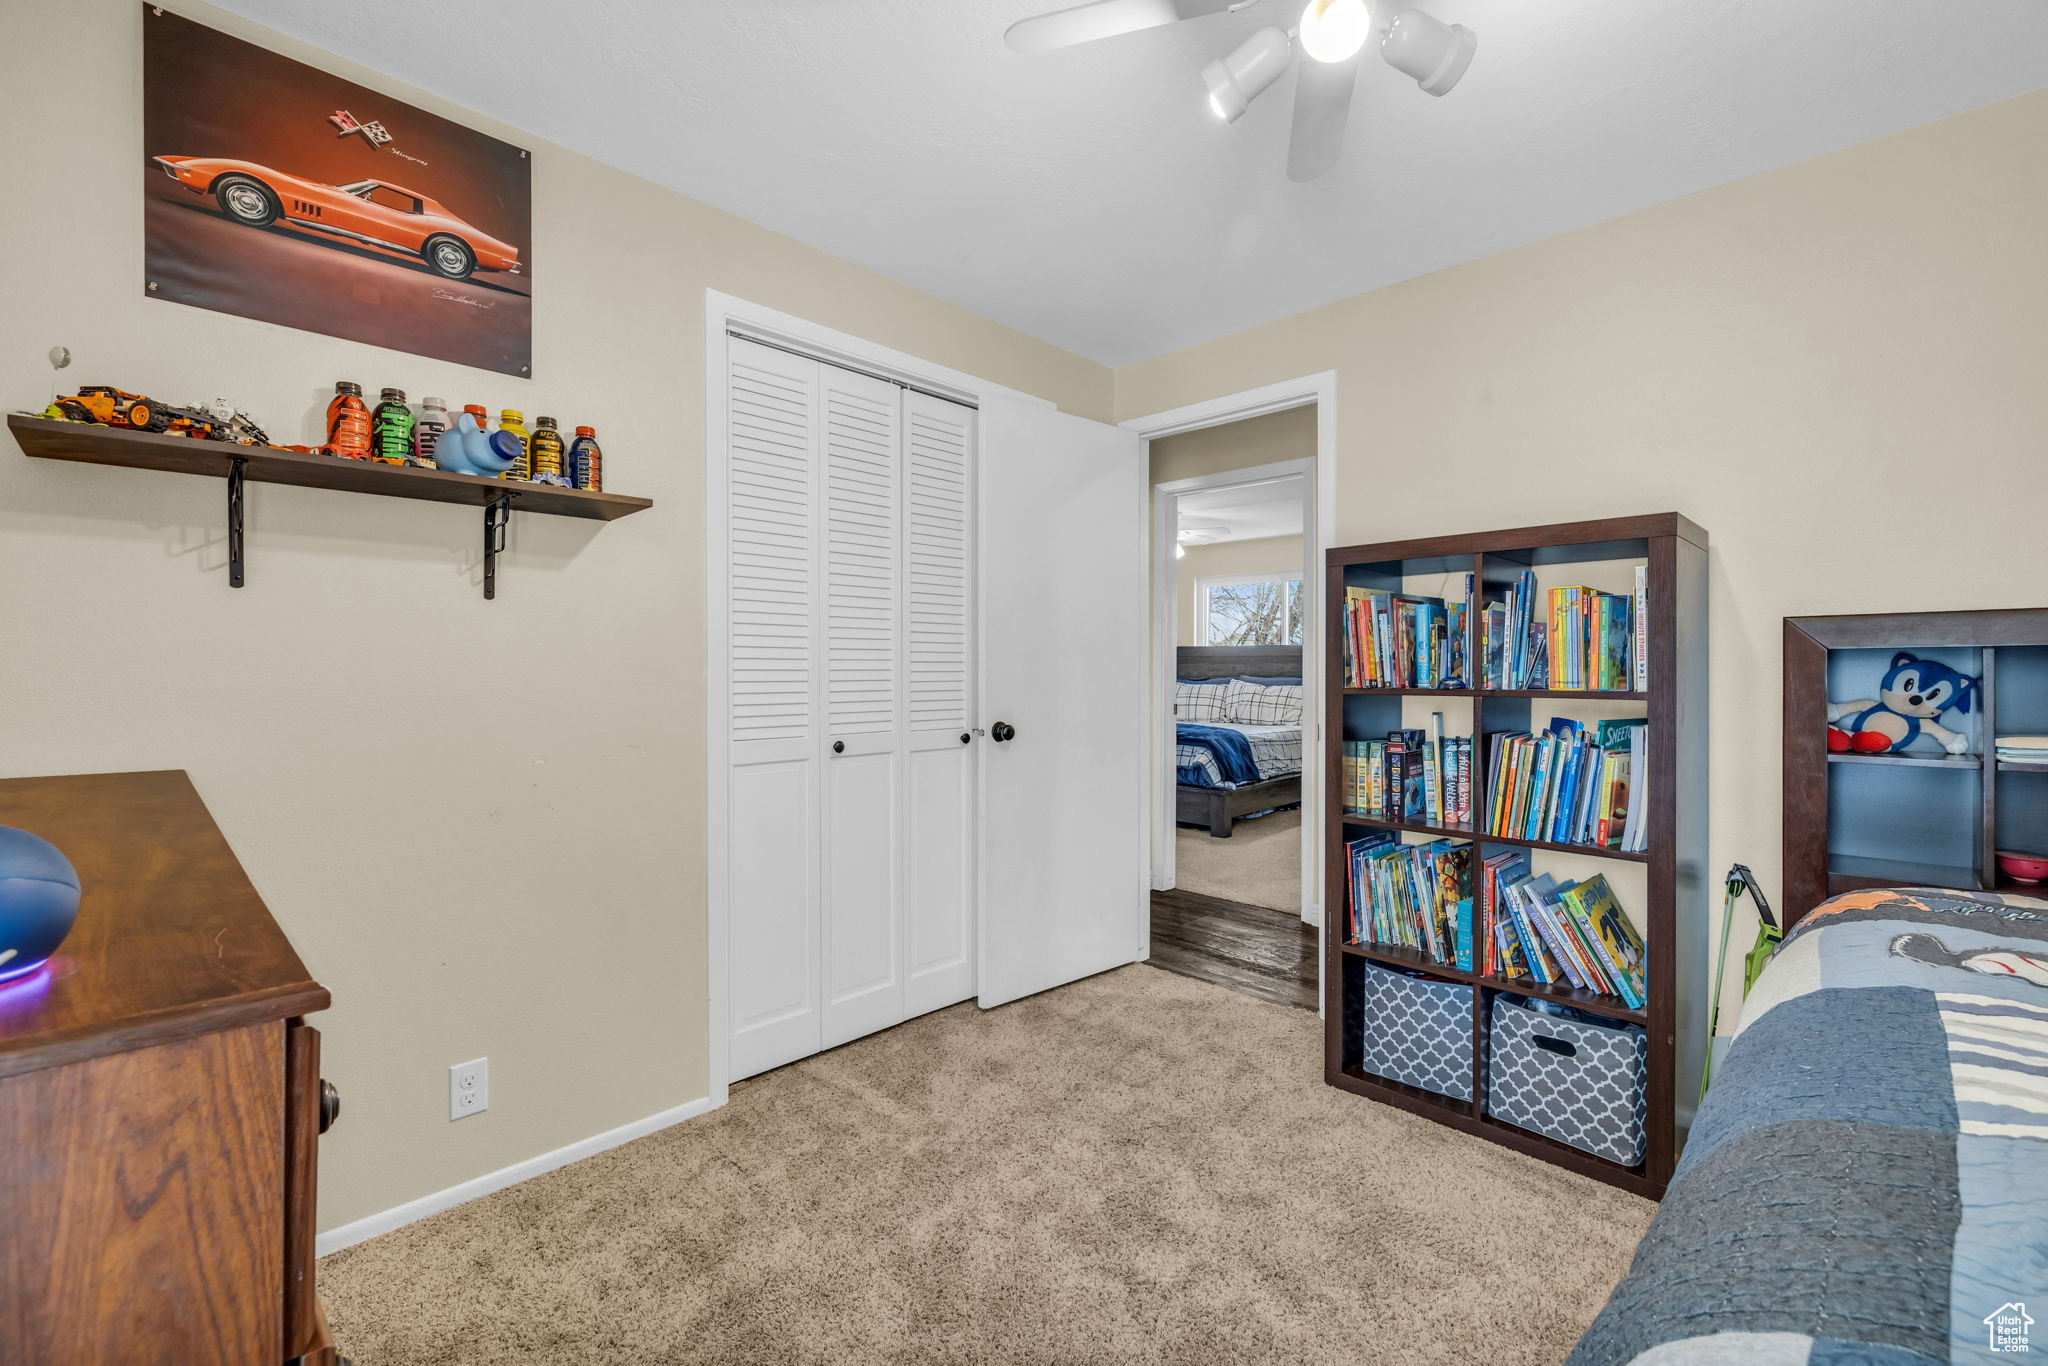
(277, 191)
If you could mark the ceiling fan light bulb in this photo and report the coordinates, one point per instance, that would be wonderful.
(1334, 30)
(1427, 50)
(1235, 81)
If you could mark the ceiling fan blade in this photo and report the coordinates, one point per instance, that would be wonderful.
(1322, 106)
(1106, 19)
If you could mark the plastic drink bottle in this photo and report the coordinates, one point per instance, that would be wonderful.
(348, 421)
(513, 421)
(426, 432)
(586, 461)
(391, 430)
(544, 452)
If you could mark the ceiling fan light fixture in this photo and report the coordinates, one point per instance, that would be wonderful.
(1235, 81)
(1334, 30)
(1427, 50)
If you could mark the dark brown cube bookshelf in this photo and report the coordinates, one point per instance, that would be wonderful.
(1674, 920)
(1921, 818)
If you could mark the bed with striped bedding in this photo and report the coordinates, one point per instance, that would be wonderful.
(1867, 1179)
(1199, 760)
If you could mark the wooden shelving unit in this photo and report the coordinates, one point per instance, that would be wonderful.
(1674, 920)
(1931, 836)
(46, 439)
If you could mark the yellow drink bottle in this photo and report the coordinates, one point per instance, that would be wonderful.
(513, 421)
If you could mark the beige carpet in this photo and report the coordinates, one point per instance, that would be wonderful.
(1259, 865)
(1135, 1168)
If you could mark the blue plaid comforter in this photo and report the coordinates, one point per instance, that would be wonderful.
(1867, 1180)
(1232, 756)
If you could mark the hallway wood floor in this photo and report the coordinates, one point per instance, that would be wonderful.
(1249, 949)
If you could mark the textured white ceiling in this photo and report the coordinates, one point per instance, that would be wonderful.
(1088, 197)
(1250, 511)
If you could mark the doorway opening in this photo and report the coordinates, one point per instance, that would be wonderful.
(1234, 624)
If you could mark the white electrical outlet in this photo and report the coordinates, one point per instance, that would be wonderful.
(469, 1088)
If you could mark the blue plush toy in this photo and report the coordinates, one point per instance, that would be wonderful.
(1909, 701)
(38, 901)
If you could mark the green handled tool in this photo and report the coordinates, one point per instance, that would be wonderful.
(1768, 936)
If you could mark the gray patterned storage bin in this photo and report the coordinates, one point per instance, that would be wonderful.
(1578, 1083)
(1416, 1030)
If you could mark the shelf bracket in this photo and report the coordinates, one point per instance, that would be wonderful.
(235, 561)
(497, 516)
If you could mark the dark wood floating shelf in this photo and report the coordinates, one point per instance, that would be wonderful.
(47, 439)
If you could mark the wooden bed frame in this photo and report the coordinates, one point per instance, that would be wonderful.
(1218, 807)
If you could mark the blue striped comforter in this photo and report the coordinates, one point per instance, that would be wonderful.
(1867, 1181)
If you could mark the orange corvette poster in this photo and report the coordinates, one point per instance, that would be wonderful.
(274, 190)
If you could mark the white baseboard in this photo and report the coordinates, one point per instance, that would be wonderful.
(399, 1216)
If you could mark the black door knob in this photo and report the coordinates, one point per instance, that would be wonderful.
(839, 746)
(330, 1105)
(965, 737)
(1001, 731)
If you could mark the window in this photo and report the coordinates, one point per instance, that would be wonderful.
(1249, 609)
(385, 196)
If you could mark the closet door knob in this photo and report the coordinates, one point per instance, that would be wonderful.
(839, 746)
(965, 737)
(330, 1105)
(1001, 731)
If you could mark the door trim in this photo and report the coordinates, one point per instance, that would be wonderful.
(726, 314)
(1319, 533)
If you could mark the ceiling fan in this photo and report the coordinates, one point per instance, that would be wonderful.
(1333, 33)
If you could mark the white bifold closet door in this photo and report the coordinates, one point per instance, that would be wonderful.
(851, 766)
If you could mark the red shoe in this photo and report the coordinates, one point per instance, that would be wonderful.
(1869, 742)
(1838, 740)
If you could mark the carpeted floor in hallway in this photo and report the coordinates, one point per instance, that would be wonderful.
(1259, 865)
(1135, 1168)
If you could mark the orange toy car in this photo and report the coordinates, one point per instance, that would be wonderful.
(375, 212)
(113, 408)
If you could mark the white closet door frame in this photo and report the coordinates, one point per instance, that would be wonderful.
(724, 314)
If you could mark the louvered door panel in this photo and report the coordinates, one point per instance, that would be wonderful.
(939, 438)
(773, 420)
(849, 817)
(939, 800)
(862, 589)
(773, 478)
(862, 593)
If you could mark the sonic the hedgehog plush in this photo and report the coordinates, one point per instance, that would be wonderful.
(1913, 695)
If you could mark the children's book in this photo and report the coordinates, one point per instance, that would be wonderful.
(1612, 934)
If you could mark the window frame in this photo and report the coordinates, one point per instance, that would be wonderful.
(1205, 582)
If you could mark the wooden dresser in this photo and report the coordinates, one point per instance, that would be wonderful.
(160, 1100)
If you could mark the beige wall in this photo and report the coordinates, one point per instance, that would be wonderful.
(1286, 435)
(1840, 369)
(1279, 554)
(481, 823)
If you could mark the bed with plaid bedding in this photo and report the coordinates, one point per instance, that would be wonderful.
(1275, 753)
(1867, 1179)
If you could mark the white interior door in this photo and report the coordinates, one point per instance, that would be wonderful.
(861, 747)
(939, 805)
(773, 737)
(1062, 622)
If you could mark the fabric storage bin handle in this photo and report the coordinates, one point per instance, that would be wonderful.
(1561, 1047)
